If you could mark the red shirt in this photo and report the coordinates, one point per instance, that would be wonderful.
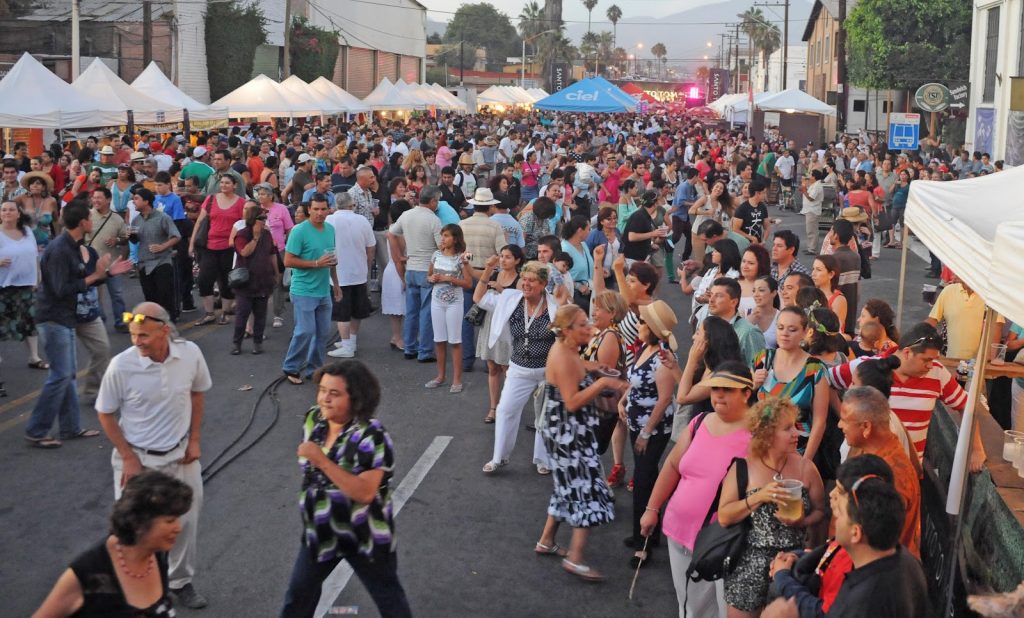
(221, 222)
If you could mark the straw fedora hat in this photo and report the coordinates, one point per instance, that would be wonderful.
(660, 318)
(27, 178)
(466, 159)
(483, 197)
(853, 214)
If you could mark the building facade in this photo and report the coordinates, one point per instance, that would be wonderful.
(767, 74)
(996, 121)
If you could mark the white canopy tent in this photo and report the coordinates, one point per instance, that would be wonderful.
(537, 93)
(327, 88)
(152, 82)
(262, 97)
(496, 95)
(300, 94)
(32, 96)
(794, 101)
(519, 95)
(453, 100)
(413, 91)
(98, 79)
(386, 97)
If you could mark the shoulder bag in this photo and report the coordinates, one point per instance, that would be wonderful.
(607, 406)
(717, 549)
(202, 231)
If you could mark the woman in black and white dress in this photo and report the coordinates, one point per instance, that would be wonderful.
(525, 314)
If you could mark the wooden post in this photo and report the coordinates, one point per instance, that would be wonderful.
(900, 293)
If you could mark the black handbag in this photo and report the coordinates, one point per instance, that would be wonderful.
(717, 549)
(201, 233)
(883, 222)
(238, 277)
(476, 315)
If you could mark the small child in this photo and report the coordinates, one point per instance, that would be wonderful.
(450, 273)
(560, 285)
(563, 262)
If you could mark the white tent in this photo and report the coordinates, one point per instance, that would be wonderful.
(743, 104)
(794, 100)
(31, 96)
(426, 99)
(99, 80)
(300, 94)
(976, 227)
(725, 101)
(262, 97)
(496, 95)
(386, 97)
(329, 89)
(537, 93)
(152, 82)
(519, 95)
(453, 100)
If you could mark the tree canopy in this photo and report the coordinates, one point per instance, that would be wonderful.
(906, 43)
(481, 25)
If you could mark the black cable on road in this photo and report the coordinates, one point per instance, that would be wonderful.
(271, 389)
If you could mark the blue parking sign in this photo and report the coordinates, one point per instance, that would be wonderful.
(904, 131)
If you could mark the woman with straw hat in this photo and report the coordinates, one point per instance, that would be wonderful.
(647, 408)
(39, 205)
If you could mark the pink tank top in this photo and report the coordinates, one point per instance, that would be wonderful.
(701, 469)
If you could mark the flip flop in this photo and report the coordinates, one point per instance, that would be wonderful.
(209, 318)
(223, 320)
(85, 433)
(45, 442)
(582, 571)
(39, 364)
(550, 550)
(293, 378)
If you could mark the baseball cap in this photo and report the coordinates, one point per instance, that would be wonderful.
(200, 151)
(305, 157)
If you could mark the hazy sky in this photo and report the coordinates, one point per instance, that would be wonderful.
(574, 9)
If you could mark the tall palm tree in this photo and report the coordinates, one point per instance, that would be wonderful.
(589, 4)
(659, 51)
(619, 59)
(589, 46)
(604, 49)
(752, 23)
(531, 19)
(614, 14)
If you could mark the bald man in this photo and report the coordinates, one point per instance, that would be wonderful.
(157, 387)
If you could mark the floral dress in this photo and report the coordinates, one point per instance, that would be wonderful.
(581, 496)
(643, 396)
(746, 588)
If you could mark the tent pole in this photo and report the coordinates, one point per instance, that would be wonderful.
(956, 496)
(905, 242)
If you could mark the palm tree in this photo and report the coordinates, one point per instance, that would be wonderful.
(604, 49)
(589, 47)
(614, 14)
(659, 51)
(531, 19)
(589, 4)
(554, 48)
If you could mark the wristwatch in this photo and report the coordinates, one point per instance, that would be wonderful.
(645, 435)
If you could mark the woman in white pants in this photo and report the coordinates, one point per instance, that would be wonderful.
(690, 478)
(450, 274)
(524, 316)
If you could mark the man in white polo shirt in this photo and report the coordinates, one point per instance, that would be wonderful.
(157, 386)
(354, 247)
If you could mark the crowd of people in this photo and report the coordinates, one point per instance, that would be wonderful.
(541, 245)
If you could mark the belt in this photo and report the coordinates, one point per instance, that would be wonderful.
(158, 453)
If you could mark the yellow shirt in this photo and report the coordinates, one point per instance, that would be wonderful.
(964, 313)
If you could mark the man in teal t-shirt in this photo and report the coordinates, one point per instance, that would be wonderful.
(310, 253)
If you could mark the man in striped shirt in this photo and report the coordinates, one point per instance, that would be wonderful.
(916, 385)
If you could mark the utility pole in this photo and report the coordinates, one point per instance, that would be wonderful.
(286, 50)
(76, 42)
(841, 68)
(785, 36)
(737, 26)
(721, 50)
(147, 32)
(462, 60)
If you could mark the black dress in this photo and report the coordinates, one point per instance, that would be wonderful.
(101, 591)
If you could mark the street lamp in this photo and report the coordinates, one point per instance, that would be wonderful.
(639, 47)
(522, 70)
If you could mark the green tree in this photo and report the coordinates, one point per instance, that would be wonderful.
(480, 25)
(659, 52)
(614, 14)
(531, 19)
(589, 4)
(314, 51)
(905, 43)
(619, 59)
(235, 32)
(434, 39)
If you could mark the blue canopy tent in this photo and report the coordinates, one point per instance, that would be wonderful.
(594, 95)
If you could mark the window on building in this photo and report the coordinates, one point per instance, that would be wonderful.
(819, 53)
(988, 94)
(810, 52)
(827, 57)
(859, 105)
(886, 107)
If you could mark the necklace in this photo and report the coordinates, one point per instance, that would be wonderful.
(124, 564)
(528, 319)
(778, 472)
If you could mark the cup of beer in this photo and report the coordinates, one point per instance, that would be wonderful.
(792, 507)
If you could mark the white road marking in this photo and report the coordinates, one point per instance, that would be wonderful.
(339, 577)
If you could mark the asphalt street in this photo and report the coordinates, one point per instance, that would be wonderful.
(465, 541)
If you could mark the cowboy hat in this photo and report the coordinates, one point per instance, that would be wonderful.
(490, 141)
(466, 159)
(138, 156)
(27, 179)
(853, 214)
(660, 318)
(483, 197)
(107, 150)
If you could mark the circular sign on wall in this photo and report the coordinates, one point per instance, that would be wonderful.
(932, 97)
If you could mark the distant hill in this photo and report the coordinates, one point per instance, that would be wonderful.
(436, 27)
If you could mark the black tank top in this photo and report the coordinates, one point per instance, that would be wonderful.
(102, 592)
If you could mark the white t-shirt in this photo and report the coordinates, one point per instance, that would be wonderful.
(24, 256)
(353, 234)
(785, 166)
(154, 399)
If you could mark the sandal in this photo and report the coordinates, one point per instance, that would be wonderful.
(584, 572)
(492, 466)
(434, 383)
(209, 318)
(44, 442)
(489, 419)
(85, 433)
(550, 550)
(223, 319)
(39, 364)
(456, 388)
(294, 378)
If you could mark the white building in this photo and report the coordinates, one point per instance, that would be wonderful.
(997, 60)
(769, 78)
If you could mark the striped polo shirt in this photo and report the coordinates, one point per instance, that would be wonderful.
(912, 400)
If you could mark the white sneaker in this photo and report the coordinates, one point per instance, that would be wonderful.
(342, 353)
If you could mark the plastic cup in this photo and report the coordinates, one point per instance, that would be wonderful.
(792, 507)
(1019, 463)
(1010, 450)
(997, 354)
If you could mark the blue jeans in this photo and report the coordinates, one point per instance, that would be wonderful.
(312, 316)
(417, 329)
(59, 396)
(468, 330)
(379, 576)
(115, 289)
